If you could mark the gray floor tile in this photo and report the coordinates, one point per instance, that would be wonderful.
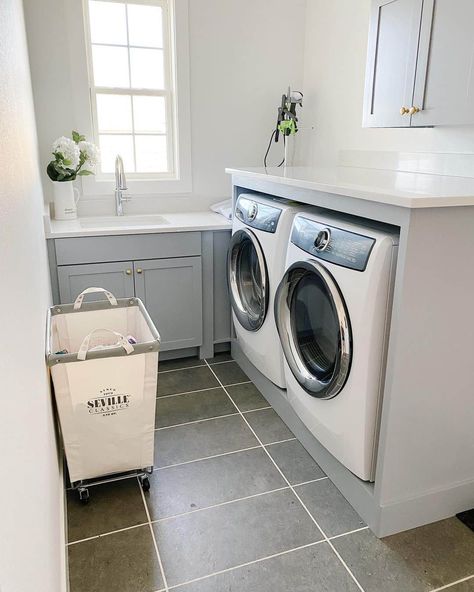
(329, 507)
(191, 407)
(119, 562)
(467, 586)
(417, 560)
(247, 396)
(112, 506)
(220, 357)
(205, 483)
(268, 426)
(229, 373)
(198, 440)
(313, 569)
(179, 363)
(184, 381)
(295, 463)
(204, 542)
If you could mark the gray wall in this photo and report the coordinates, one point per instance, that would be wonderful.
(31, 540)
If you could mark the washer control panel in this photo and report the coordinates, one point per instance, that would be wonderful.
(332, 244)
(257, 214)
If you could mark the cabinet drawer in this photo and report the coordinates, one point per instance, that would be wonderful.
(98, 249)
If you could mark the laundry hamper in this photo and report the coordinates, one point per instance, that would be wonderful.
(103, 358)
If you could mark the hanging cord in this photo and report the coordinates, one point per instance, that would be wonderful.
(268, 150)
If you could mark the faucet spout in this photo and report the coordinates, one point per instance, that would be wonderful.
(120, 185)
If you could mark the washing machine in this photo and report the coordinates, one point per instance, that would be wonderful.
(332, 311)
(255, 265)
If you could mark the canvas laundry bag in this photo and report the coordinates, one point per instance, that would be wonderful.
(105, 386)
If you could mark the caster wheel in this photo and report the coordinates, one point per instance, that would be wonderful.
(145, 483)
(84, 496)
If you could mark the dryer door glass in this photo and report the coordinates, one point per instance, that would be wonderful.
(314, 328)
(248, 280)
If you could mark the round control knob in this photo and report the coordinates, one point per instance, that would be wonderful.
(253, 211)
(322, 239)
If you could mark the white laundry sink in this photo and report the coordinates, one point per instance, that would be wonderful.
(123, 221)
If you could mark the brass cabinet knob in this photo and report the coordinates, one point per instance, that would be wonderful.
(139, 270)
(404, 110)
(128, 272)
(413, 110)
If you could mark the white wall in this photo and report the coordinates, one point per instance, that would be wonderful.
(243, 55)
(31, 543)
(334, 74)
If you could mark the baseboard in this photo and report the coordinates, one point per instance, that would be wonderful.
(63, 526)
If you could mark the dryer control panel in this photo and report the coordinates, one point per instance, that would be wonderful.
(332, 244)
(257, 215)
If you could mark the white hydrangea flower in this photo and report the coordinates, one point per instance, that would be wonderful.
(69, 149)
(92, 155)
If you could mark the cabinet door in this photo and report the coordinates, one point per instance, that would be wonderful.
(444, 87)
(115, 277)
(391, 62)
(171, 290)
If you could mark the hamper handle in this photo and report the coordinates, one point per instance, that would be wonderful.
(78, 302)
(122, 341)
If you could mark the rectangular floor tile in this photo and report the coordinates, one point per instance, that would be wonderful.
(329, 507)
(417, 560)
(312, 569)
(268, 426)
(112, 506)
(179, 363)
(205, 483)
(119, 562)
(247, 396)
(198, 440)
(186, 380)
(204, 542)
(192, 406)
(295, 463)
(229, 373)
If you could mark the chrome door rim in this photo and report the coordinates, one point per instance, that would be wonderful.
(248, 321)
(284, 296)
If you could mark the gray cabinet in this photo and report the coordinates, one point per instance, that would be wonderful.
(171, 290)
(420, 63)
(116, 277)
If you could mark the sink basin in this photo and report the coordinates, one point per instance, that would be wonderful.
(123, 221)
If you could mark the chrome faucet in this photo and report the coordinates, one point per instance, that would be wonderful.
(120, 186)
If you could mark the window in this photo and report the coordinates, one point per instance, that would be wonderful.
(132, 86)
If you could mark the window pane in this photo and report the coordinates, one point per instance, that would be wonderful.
(145, 25)
(114, 113)
(151, 154)
(110, 66)
(149, 114)
(108, 22)
(110, 146)
(147, 68)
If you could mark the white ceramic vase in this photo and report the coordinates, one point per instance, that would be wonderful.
(65, 200)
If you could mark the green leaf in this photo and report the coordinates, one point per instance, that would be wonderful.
(77, 137)
(84, 173)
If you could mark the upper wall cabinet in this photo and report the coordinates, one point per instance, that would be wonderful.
(420, 63)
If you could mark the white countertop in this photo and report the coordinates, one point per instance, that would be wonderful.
(139, 224)
(409, 190)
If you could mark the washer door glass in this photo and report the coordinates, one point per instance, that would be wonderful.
(248, 280)
(314, 329)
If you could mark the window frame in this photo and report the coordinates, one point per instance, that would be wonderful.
(178, 179)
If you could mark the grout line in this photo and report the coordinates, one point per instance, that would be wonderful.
(279, 442)
(292, 489)
(177, 425)
(258, 409)
(338, 536)
(223, 362)
(245, 564)
(187, 462)
(210, 388)
(196, 366)
(310, 481)
(226, 503)
(103, 534)
(466, 579)
(153, 537)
